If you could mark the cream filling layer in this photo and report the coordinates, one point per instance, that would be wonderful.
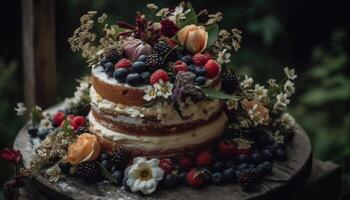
(164, 112)
(161, 143)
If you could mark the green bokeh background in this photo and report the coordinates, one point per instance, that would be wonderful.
(311, 36)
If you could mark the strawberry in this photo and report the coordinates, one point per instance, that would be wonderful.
(195, 178)
(58, 118)
(123, 63)
(166, 165)
(204, 159)
(200, 59)
(213, 68)
(185, 162)
(77, 122)
(158, 75)
(180, 66)
(226, 149)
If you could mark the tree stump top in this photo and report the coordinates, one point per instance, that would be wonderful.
(286, 177)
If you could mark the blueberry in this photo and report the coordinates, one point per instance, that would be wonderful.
(138, 67)
(108, 68)
(229, 164)
(145, 77)
(242, 166)
(267, 154)
(133, 79)
(229, 174)
(103, 61)
(42, 133)
(32, 131)
(141, 58)
(264, 168)
(169, 180)
(218, 166)
(200, 71)
(104, 156)
(217, 178)
(192, 68)
(200, 80)
(256, 158)
(65, 167)
(281, 154)
(106, 164)
(118, 176)
(187, 59)
(242, 158)
(207, 178)
(182, 178)
(120, 74)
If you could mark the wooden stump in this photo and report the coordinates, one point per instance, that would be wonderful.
(286, 178)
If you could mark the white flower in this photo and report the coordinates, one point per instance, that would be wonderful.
(289, 88)
(21, 109)
(150, 93)
(45, 124)
(282, 102)
(163, 89)
(232, 104)
(287, 120)
(134, 112)
(247, 82)
(162, 12)
(152, 6)
(54, 173)
(214, 18)
(260, 92)
(143, 175)
(224, 57)
(290, 73)
(272, 82)
(178, 14)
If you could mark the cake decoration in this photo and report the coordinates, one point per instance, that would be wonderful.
(163, 107)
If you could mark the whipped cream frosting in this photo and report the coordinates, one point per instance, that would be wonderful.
(161, 143)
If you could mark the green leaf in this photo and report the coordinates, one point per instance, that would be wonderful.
(191, 17)
(117, 29)
(213, 31)
(105, 173)
(216, 94)
(67, 128)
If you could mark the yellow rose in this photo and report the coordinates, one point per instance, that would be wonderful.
(86, 148)
(194, 38)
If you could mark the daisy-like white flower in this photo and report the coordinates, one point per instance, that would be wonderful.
(232, 104)
(162, 12)
(20, 109)
(150, 93)
(163, 89)
(282, 102)
(214, 18)
(224, 57)
(54, 173)
(152, 6)
(247, 82)
(260, 92)
(45, 124)
(272, 82)
(143, 175)
(289, 88)
(134, 112)
(287, 120)
(290, 73)
(178, 14)
(257, 112)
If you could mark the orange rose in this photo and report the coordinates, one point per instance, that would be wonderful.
(193, 38)
(84, 149)
(263, 112)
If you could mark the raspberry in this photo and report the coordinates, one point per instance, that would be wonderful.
(180, 66)
(158, 75)
(204, 159)
(166, 165)
(200, 59)
(70, 117)
(58, 118)
(77, 122)
(226, 149)
(123, 63)
(195, 178)
(185, 162)
(213, 68)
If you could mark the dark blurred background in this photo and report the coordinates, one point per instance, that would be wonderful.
(311, 36)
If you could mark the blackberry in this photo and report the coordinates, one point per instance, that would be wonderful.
(154, 61)
(113, 56)
(81, 130)
(120, 158)
(162, 48)
(248, 178)
(230, 83)
(88, 170)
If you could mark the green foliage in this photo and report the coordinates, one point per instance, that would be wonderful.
(213, 31)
